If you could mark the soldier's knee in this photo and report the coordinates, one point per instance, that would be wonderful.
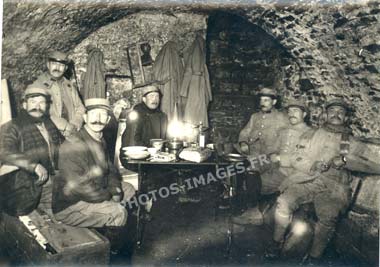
(120, 216)
(283, 206)
(328, 219)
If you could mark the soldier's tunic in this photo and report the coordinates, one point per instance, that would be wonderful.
(288, 140)
(66, 104)
(262, 133)
(329, 191)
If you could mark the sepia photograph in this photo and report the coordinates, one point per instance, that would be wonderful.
(190, 133)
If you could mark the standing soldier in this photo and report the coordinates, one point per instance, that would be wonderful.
(66, 110)
(258, 139)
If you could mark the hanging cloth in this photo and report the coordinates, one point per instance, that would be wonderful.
(195, 90)
(94, 85)
(168, 70)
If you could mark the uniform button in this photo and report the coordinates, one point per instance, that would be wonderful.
(262, 126)
(285, 150)
(263, 116)
(259, 133)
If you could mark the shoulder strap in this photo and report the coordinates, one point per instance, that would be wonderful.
(344, 144)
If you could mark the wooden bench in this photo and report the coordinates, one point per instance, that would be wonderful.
(36, 239)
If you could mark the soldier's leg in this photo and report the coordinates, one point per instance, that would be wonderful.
(46, 197)
(287, 203)
(84, 214)
(328, 207)
(253, 188)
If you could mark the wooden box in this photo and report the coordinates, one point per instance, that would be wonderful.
(37, 240)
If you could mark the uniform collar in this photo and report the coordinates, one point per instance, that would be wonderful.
(301, 125)
(336, 128)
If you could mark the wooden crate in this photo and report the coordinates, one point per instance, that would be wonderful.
(52, 244)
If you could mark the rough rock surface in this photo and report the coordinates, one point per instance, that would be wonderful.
(335, 47)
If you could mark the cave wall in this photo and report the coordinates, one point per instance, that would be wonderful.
(335, 47)
(337, 50)
(30, 29)
(242, 58)
(113, 39)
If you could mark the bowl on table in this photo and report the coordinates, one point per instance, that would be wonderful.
(157, 143)
(136, 152)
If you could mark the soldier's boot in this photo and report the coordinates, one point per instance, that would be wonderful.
(322, 236)
(273, 251)
(116, 235)
(251, 216)
(311, 261)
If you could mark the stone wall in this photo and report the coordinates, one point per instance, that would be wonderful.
(335, 47)
(113, 40)
(337, 50)
(242, 58)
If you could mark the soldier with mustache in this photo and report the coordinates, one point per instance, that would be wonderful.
(29, 142)
(89, 192)
(146, 121)
(320, 175)
(66, 110)
(259, 139)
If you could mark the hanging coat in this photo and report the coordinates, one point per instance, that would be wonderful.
(94, 84)
(195, 89)
(168, 70)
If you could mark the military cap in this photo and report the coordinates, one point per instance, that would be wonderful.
(92, 103)
(337, 102)
(297, 103)
(58, 56)
(32, 91)
(150, 89)
(268, 92)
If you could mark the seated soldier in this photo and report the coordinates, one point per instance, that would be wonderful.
(29, 142)
(89, 192)
(147, 122)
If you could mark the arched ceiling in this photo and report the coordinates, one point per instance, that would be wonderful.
(336, 46)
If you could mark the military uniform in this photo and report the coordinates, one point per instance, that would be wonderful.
(328, 189)
(262, 131)
(261, 134)
(66, 106)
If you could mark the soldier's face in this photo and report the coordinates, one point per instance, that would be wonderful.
(152, 100)
(56, 69)
(296, 115)
(336, 115)
(35, 106)
(267, 103)
(96, 119)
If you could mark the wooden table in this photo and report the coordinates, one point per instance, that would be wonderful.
(214, 161)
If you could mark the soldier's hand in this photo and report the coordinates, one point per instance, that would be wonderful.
(116, 198)
(42, 174)
(337, 162)
(274, 157)
(319, 166)
(119, 106)
(69, 130)
(243, 148)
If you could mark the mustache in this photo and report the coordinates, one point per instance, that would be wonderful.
(36, 110)
(336, 117)
(97, 123)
